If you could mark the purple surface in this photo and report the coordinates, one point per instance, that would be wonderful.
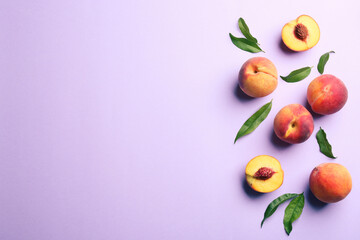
(118, 120)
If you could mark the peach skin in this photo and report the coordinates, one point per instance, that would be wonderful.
(327, 94)
(330, 182)
(293, 124)
(258, 77)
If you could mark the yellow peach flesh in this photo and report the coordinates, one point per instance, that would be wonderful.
(270, 184)
(293, 42)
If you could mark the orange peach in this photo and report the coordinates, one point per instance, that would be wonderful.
(264, 174)
(258, 77)
(327, 94)
(293, 124)
(330, 182)
(301, 34)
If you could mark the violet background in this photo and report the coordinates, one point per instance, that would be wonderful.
(118, 120)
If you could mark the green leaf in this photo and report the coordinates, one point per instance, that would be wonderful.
(322, 61)
(275, 204)
(324, 144)
(293, 212)
(254, 121)
(297, 75)
(245, 30)
(245, 44)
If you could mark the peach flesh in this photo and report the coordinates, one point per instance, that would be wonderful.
(301, 34)
(264, 174)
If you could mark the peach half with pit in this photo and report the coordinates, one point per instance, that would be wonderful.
(301, 34)
(327, 94)
(293, 124)
(258, 77)
(330, 182)
(264, 174)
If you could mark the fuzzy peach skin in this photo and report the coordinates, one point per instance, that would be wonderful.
(330, 182)
(293, 124)
(258, 77)
(327, 94)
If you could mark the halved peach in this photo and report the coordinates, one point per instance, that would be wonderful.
(264, 174)
(301, 34)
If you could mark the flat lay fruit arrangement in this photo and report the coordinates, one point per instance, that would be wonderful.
(294, 124)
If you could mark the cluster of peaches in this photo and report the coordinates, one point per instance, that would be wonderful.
(326, 94)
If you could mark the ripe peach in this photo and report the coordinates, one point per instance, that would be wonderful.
(258, 77)
(264, 174)
(293, 124)
(301, 34)
(330, 182)
(326, 94)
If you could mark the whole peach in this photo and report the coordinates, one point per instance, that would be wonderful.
(326, 94)
(258, 77)
(293, 124)
(330, 182)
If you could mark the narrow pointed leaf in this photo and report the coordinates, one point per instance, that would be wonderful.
(245, 30)
(324, 144)
(322, 61)
(276, 203)
(297, 75)
(293, 212)
(254, 121)
(245, 44)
